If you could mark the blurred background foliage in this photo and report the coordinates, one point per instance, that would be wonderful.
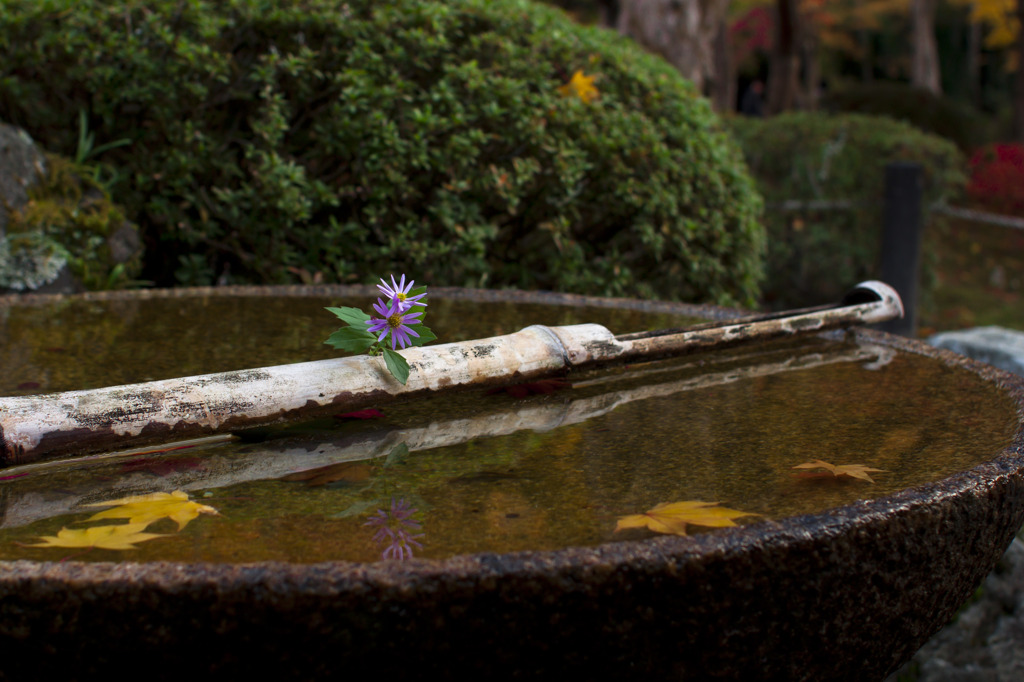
(325, 141)
(311, 141)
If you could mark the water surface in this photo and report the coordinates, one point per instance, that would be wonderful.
(544, 466)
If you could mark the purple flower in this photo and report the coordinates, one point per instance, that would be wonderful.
(394, 529)
(393, 320)
(400, 292)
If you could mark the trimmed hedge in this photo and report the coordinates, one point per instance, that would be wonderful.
(273, 141)
(960, 123)
(814, 256)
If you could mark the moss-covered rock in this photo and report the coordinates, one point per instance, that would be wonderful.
(22, 165)
(69, 222)
(272, 141)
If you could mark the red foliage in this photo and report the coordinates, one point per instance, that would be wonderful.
(997, 178)
(751, 33)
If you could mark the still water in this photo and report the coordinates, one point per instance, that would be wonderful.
(541, 466)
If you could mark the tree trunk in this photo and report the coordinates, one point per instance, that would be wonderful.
(867, 61)
(811, 98)
(723, 84)
(1018, 95)
(681, 31)
(924, 69)
(784, 65)
(974, 61)
(609, 12)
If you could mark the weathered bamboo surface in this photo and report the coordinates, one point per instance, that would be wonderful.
(78, 422)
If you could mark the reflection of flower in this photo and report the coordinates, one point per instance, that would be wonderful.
(395, 321)
(400, 292)
(394, 526)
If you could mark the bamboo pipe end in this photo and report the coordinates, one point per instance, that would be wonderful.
(872, 293)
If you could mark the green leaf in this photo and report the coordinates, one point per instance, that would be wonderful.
(356, 509)
(353, 316)
(397, 454)
(425, 335)
(396, 365)
(351, 340)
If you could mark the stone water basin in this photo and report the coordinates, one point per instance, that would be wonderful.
(520, 572)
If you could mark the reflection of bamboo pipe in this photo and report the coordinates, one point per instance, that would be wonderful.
(76, 422)
(288, 455)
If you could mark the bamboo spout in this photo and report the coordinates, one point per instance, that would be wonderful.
(79, 422)
(867, 303)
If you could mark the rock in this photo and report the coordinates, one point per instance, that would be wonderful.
(999, 347)
(124, 243)
(29, 262)
(985, 643)
(22, 164)
(45, 238)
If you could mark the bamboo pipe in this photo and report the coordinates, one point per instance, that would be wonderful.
(78, 422)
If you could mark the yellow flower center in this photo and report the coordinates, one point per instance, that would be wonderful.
(395, 320)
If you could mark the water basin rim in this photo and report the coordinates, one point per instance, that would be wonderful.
(1003, 474)
(709, 312)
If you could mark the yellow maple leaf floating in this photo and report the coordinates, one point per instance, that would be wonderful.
(581, 86)
(101, 537)
(675, 516)
(145, 509)
(858, 471)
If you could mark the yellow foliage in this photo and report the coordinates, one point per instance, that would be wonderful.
(1001, 18)
(852, 470)
(581, 86)
(101, 537)
(675, 516)
(140, 510)
(145, 509)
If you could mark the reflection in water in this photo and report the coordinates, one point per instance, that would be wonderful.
(504, 473)
(72, 345)
(396, 530)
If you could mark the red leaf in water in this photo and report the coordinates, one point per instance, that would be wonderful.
(360, 414)
(542, 387)
(25, 385)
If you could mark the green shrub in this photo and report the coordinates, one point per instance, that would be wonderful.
(965, 126)
(275, 140)
(814, 256)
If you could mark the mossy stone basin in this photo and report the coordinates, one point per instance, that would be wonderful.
(843, 593)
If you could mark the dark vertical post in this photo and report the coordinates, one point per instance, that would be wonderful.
(901, 240)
